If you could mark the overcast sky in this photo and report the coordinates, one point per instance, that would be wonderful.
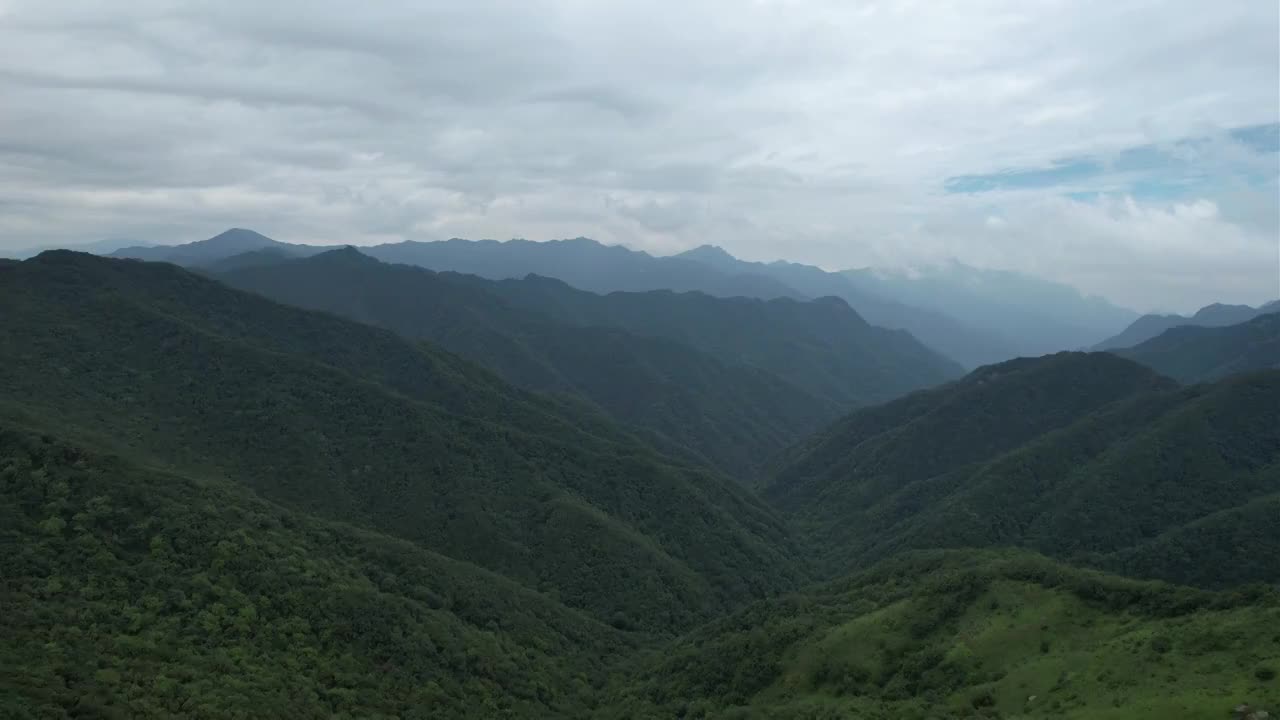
(1128, 147)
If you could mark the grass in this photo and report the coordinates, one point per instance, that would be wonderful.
(1055, 656)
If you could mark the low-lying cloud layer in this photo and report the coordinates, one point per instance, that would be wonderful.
(1126, 147)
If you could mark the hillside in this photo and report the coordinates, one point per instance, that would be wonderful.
(1148, 327)
(1079, 456)
(353, 423)
(196, 598)
(821, 346)
(733, 415)
(1190, 353)
(971, 635)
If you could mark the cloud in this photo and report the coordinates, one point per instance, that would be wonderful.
(1086, 141)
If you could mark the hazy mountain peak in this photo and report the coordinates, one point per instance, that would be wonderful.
(240, 238)
(1222, 311)
(344, 254)
(708, 253)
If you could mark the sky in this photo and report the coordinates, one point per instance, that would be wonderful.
(1130, 148)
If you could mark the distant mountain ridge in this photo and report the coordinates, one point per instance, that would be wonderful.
(889, 363)
(1014, 314)
(583, 263)
(1195, 353)
(975, 317)
(588, 265)
(968, 345)
(1034, 316)
(228, 243)
(98, 247)
(1215, 315)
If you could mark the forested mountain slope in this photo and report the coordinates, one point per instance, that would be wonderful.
(1080, 456)
(354, 423)
(734, 415)
(136, 592)
(1191, 353)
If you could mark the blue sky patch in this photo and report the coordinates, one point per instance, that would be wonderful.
(1153, 171)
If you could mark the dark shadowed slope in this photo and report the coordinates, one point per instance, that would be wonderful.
(733, 415)
(821, 346)
(354, 423)
(1151, 326)
(1191, 354)
(1078, 456)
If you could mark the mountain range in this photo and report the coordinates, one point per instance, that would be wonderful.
(972, 316)
(733, 380)
(313, 482)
